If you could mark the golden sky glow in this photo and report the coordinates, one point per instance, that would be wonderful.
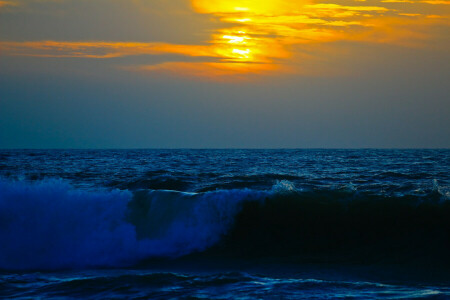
(264, 37)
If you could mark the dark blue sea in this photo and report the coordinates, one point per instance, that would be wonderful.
(221, 224)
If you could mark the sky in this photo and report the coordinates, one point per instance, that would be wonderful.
(224, 74)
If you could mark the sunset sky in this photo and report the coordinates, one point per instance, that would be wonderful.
(219, 74)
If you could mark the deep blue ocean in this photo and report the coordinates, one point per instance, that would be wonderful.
(221, 224)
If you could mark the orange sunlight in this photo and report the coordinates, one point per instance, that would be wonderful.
(263, 38)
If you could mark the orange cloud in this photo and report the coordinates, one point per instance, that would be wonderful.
(259, 38)
(7, 3)
(211, 71)
(99, 49)
(437, 2)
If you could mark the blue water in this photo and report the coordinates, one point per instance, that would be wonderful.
(254, 224)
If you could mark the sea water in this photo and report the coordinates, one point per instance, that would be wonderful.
(251, 224)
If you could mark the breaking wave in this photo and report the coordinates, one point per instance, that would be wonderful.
(49, 225)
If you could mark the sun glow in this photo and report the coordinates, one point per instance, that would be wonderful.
(242, 54)
(243, 20)
(235, 39)
(267, 31)
(267, 37)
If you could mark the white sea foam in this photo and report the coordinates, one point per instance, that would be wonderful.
(50, 225)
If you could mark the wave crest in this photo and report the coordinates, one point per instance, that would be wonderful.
(51, 225)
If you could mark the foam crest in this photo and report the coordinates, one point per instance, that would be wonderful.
(284, 187)
(170, 223)
(51, 225)
(47, 225)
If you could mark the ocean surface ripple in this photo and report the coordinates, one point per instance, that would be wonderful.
(225, 223)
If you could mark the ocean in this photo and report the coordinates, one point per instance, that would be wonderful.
(221, 224)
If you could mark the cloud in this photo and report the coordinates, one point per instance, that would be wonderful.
(253, 37)
(437, 2)
(98, 49)
(8, 3)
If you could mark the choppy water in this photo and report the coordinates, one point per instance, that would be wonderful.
(231, 285)
(225, 223)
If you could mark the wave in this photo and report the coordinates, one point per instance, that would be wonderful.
(169, 285)
(49, 225)
(162, 182)
(198, 182)
(344, 226)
